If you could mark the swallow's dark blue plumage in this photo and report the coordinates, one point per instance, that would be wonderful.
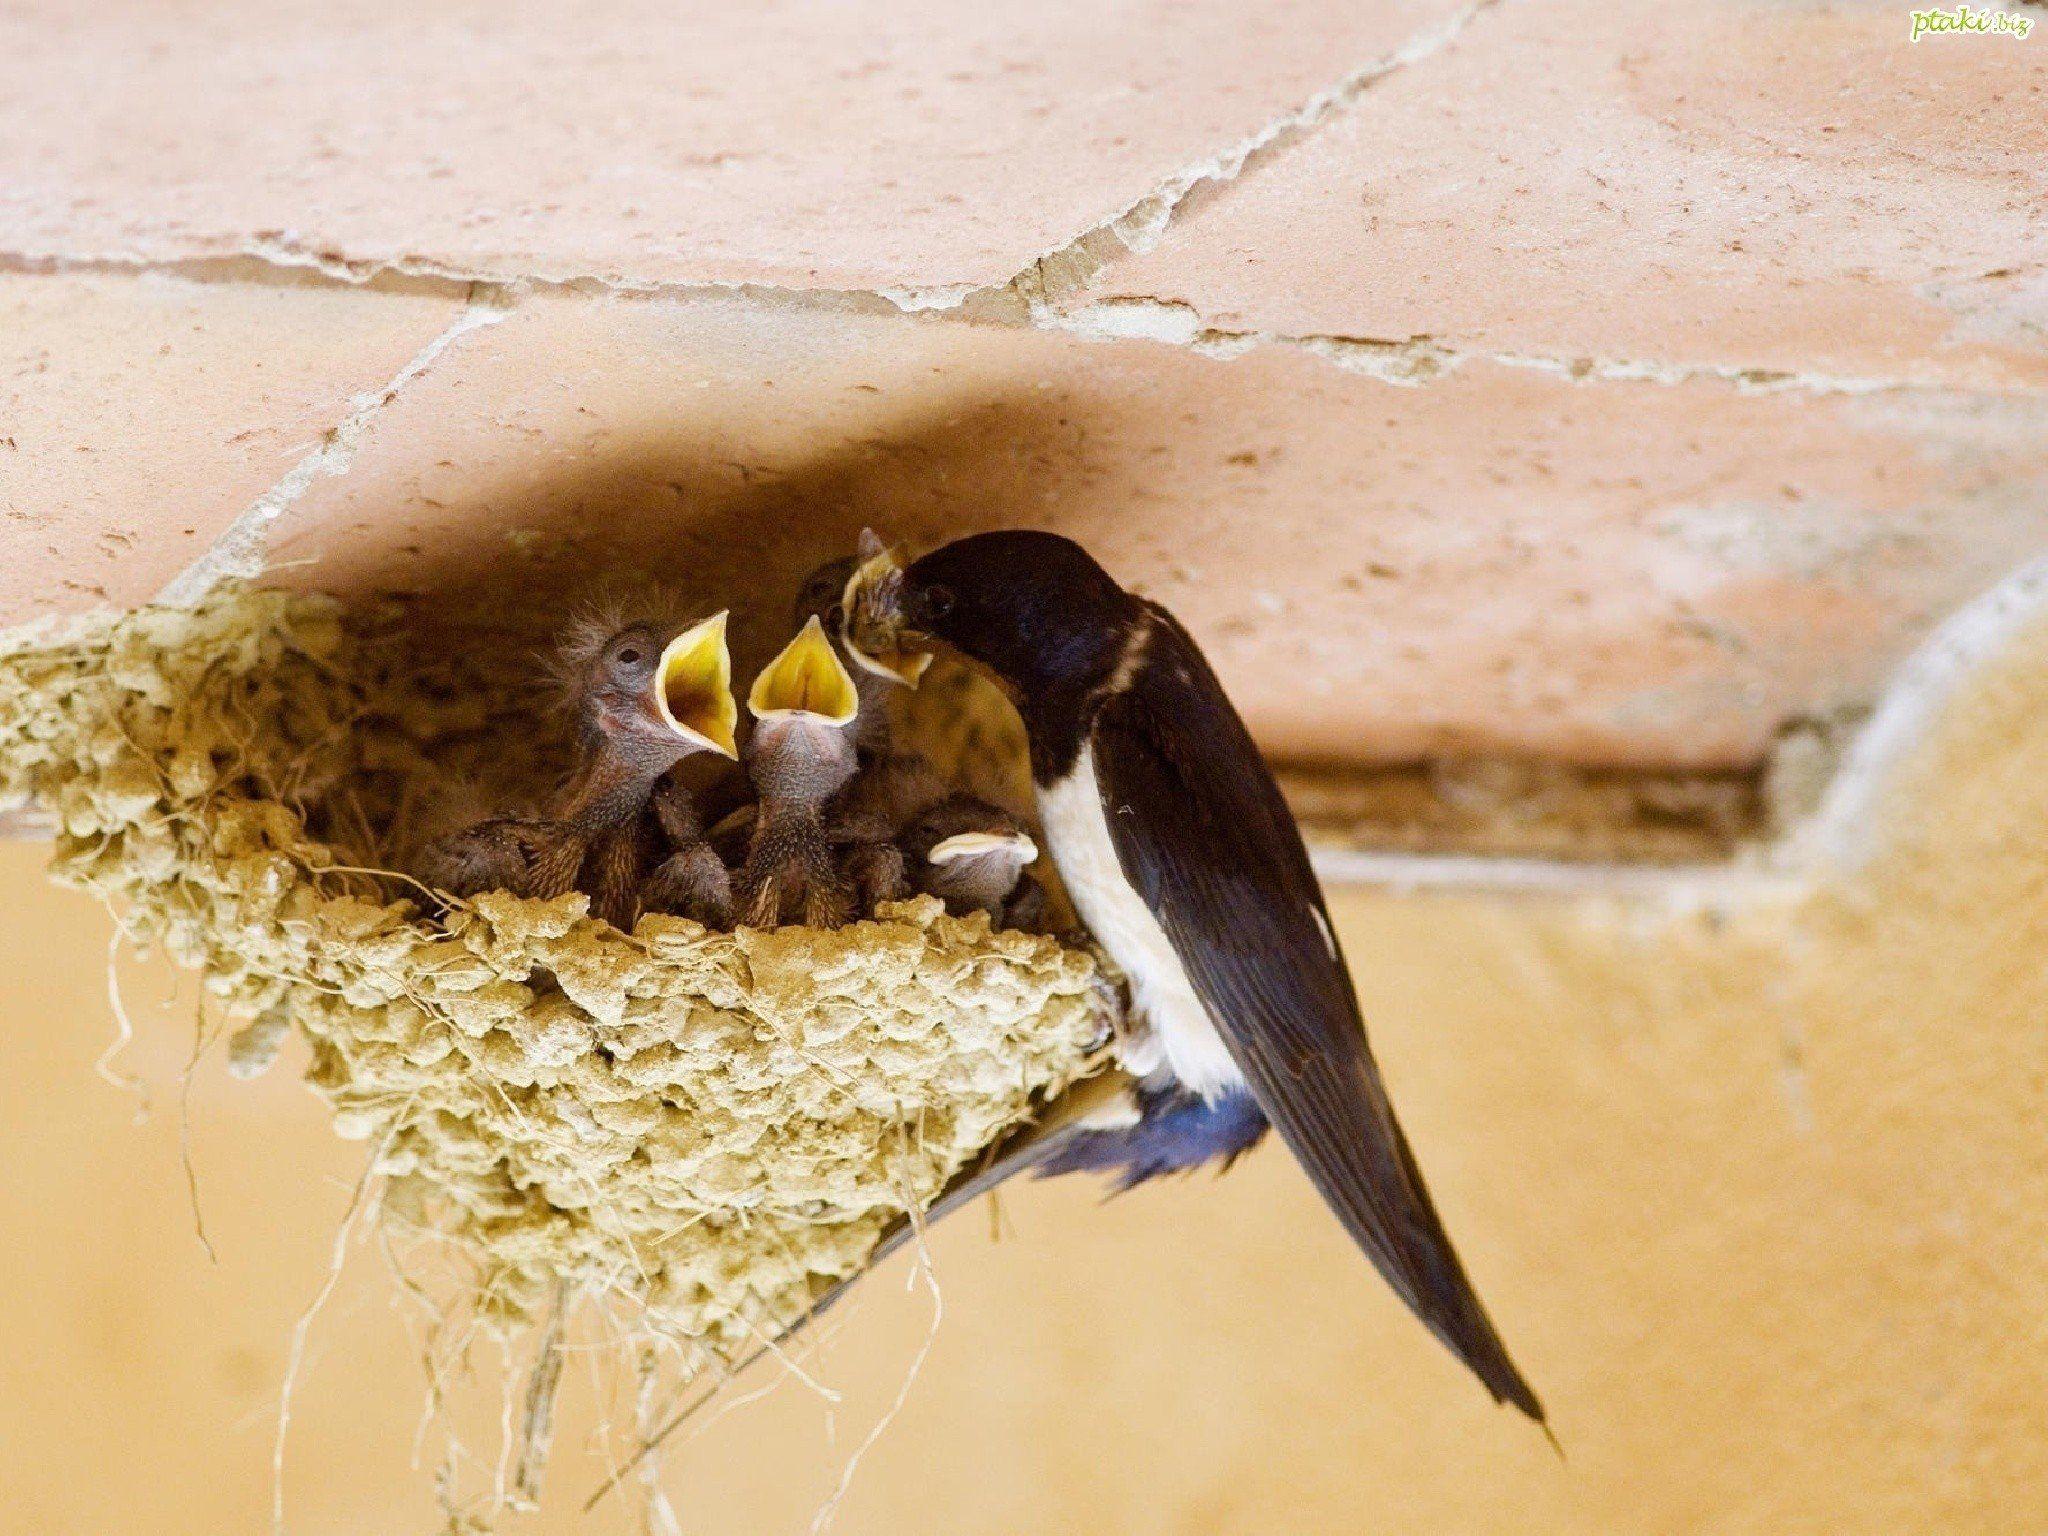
(1174, 1131)
(1179, 852)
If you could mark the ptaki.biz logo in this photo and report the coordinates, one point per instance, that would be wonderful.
(1971, 21)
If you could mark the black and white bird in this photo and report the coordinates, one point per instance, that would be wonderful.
(1179, 853)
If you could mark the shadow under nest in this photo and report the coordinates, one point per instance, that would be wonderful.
(708, 1128)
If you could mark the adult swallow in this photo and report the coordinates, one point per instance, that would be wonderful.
(643, 698)
(1179, 853)
(800, 756)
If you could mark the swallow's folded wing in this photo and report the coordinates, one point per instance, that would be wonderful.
(1202, 832)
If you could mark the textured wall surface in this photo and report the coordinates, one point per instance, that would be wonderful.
(1609, 385)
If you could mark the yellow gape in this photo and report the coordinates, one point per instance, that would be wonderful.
(808, 678)
(874, 628)
(693, 686)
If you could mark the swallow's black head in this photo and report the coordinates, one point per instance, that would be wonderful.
(1032, 607)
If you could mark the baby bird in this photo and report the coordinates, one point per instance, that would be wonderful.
(891, 783)
(692, 879)
(801, 755)
(971, 855)
(819, 599)
(642, 701)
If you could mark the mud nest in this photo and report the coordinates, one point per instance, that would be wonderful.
(713, 1125)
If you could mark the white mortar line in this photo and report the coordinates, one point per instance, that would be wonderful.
(1141, 223)
(1405, 362)
(1413, 361)
(1745, 380)
(275, 262)
(1706, 884)
(238, 551)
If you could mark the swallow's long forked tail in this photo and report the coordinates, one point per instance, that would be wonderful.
(1110, 1124)
(1212, 850)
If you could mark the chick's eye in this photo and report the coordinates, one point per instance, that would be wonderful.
(629, 656)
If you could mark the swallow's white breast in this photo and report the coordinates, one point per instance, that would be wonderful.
(1180, 1029)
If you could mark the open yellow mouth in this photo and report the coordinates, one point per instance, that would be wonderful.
(874, 630)
(969, 845)
(693, 686)
(808, 678)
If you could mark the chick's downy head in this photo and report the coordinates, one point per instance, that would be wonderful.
(649, 694)
(818, 598)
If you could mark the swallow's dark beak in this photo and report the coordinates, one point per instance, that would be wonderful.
(807, 679)
(693, 687)
(876, 627)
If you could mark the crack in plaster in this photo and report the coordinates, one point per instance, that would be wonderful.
(238, 551)
(273, 264)
(1138, 226)
(1141, 224)
(1411, 361)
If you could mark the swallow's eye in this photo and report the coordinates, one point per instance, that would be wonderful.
(938, 601)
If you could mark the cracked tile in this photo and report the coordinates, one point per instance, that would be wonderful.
(1743, 184)
(812, 144)
(140, 416)
(1503, 561)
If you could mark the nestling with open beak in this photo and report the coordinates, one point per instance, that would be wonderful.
(801, 755)
(643, 698)
(971, 855)
(892, 783)
(819, 598)
(1179, 853)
